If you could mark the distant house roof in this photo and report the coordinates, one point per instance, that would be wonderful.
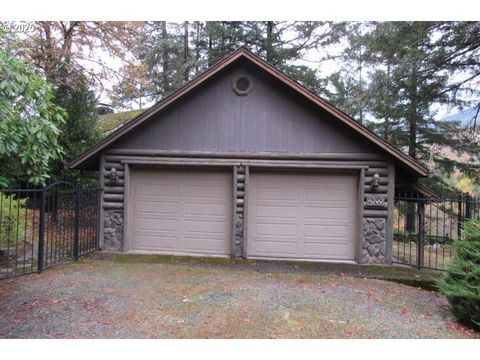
(243, 53)
(111, 122)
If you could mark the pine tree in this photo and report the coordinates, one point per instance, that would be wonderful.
(461, 283)
(169, 54)
(80, 129)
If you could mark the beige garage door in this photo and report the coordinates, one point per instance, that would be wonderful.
(302, 216)
(181, 211)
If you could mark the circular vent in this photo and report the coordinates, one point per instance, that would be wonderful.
(242, 85)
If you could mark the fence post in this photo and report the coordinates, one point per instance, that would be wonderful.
(468, 208)
(421, 233)
(41, 232)
(76, 238)
(459, 216)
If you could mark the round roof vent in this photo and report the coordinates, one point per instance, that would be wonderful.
(242, 85)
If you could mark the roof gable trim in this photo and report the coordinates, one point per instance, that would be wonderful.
(244, 52)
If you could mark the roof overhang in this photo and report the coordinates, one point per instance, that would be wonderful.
(93, 152)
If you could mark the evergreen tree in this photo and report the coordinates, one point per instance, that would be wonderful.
(169, 54)
(80, 129)
(461, 283)
(412, 68)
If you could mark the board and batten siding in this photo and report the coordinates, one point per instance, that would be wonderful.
(271, 118)
(375, 213)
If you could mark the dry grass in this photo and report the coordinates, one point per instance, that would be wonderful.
(438, 257)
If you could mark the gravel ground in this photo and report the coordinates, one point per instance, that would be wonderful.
(115, 297)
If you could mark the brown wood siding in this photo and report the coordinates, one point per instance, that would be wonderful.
(271, 118)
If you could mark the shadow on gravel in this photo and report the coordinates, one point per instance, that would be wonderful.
(420, 278)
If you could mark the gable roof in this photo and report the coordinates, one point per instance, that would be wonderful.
(243, 52)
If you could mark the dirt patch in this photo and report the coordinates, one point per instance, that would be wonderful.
(142, 297)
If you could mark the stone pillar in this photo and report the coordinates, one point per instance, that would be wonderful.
(113, 230)
(374, 241)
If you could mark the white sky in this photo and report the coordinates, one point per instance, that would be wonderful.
(180, 10)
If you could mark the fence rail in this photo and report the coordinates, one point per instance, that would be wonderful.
(42, 227)
(426, 228)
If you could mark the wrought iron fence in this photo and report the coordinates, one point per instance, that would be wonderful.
(42, 227)
(426, 228)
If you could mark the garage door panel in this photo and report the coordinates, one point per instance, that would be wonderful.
(301, 215)
(158, 207)
(206, 191)
(204, 226)
(275, 248)
(327, 212)
(192, 215)
(207, 245)
(279, 212)
(277, 193)
(327, 251)
(206, 209)
(155, 242)
(327, 231)
(335, 195)
(157, 224)
(153, 190)
(276, 229)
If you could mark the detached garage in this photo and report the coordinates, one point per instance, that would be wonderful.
(243, 161)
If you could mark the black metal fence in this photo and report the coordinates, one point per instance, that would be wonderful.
(42, 227)
(426, 228)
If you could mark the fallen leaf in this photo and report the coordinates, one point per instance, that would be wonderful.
(247, 321)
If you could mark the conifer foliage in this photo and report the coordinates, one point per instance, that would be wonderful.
(461, 283)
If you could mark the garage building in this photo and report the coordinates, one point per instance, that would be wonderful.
(243, 161)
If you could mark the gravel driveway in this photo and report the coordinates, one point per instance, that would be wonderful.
(115, 297)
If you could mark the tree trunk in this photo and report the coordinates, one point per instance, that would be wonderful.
(186, 73)
(412, 140)
(386, 125)
(165, 60)
(198, 28)
(210, 47)
(269, 42)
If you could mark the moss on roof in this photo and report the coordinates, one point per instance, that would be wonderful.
(110, 122)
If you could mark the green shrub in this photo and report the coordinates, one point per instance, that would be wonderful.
(461, 283)
(12, 219)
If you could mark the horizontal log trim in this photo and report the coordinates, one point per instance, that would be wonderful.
(248, 155)
(368, 213)
(379, 171)
(251, 163)
(113, 205)
(124, 159)
(109, 182)
(114, 190)
(113, 197)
